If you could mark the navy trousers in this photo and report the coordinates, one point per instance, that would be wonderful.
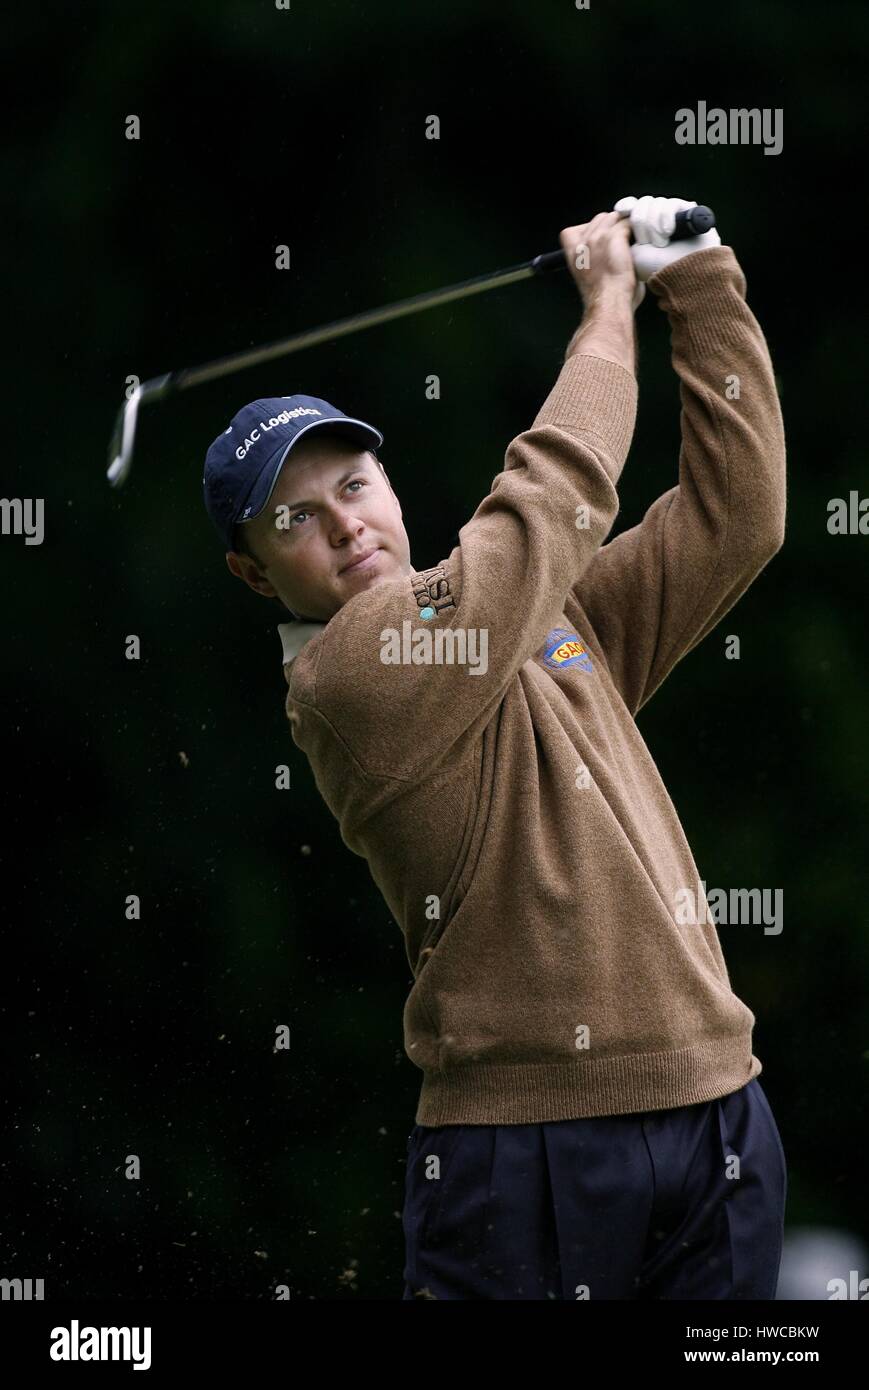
(685, 1203)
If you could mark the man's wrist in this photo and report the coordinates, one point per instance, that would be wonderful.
(609, 298)
(608, 328)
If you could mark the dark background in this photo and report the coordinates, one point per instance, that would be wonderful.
(259, 127)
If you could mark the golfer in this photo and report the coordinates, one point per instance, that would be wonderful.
(590, 1123)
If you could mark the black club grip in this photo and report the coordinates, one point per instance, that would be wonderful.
(693, 222)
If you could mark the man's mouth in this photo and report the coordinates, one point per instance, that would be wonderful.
(363, 562)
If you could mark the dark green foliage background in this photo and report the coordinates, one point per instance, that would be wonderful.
(306, 127)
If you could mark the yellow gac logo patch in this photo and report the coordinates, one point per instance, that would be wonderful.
(565, 648)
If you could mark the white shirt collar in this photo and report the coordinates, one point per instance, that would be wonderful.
(294, 636)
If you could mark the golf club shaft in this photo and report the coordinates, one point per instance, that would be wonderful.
(691, 222)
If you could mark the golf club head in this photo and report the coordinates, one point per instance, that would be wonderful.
(123, 439)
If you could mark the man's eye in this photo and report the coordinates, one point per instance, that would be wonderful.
(354, 482)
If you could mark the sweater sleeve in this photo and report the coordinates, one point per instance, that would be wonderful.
(395, 705)
(655, 591)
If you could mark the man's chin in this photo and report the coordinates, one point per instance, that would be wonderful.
(351, 584)
(365, 580)
(378, 568)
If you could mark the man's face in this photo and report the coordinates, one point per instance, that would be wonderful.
(331, 506)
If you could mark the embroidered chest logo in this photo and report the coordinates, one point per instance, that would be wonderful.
(565, 648)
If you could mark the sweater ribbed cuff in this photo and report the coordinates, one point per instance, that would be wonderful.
(593, 395)
(705, 289)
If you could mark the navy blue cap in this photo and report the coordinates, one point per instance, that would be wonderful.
(243, 463)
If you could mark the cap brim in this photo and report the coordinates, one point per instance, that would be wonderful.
(257, 499)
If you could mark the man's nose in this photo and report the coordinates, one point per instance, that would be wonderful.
(345, 522)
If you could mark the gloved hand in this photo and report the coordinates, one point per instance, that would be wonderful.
(652, 223)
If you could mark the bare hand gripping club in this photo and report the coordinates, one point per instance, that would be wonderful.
(691, 222)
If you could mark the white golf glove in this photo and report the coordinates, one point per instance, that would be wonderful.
(652, 223)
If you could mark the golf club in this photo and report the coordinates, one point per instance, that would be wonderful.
(691, 222)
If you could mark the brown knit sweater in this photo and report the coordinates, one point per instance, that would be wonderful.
(509, 810)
